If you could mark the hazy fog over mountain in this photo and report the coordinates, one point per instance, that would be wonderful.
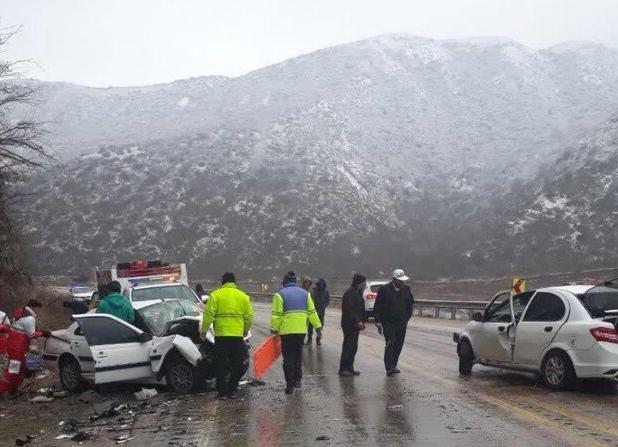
(361, 156)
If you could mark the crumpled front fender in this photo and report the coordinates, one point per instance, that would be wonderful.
(187, 349)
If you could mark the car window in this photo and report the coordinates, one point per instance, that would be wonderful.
(501, 312)
(601, 299)
(545, 307)
(180, 292)
(105, 331)
(186, 293)
(374, 288)
(81, 290)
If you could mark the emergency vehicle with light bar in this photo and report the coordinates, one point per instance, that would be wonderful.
(141, 272)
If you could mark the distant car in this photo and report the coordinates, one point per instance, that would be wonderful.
(160, 290)
(161, 347)
(369, 295)
(82, 293)
(563, 333)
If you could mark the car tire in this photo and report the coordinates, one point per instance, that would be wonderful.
(180, 376)
(557, 371)
(71, 375)
(466, 358)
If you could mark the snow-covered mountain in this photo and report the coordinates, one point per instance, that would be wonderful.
(566, 217)
(359, 156)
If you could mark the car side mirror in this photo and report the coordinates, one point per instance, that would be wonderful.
(477, 316)
(144, 337)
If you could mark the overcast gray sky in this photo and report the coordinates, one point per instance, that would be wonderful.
(139, 42)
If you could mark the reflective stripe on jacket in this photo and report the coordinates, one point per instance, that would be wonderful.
(231, 311)
(292, 307)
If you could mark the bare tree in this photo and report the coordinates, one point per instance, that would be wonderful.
(22, 150)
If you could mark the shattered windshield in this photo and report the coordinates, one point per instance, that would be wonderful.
(601, 299)
(156, 316)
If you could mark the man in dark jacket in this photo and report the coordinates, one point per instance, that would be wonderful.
(393, 309)
(321, 300)
(352, 322)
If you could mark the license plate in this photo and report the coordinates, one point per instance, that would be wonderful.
(14, 366)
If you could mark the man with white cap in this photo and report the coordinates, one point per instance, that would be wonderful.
(393, 309)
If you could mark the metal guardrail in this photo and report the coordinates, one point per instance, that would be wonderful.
(447, 309)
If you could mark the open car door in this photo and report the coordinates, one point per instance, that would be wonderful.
(121, 352)
(496, 335)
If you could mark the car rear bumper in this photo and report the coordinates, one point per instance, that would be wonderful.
(600, 361)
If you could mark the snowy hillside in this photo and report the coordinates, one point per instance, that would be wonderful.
(362, 155)
(566, 217)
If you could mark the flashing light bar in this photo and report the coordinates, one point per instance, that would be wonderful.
(152, 279)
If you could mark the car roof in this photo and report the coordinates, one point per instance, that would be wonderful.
(377, 281)
(577, 289)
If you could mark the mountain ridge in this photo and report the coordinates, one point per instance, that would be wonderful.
(373, 152)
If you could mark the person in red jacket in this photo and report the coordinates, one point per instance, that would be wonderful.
(21, 331)
(5, 324)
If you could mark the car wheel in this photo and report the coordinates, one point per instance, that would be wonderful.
(466, 358)
(180, 376)
(71, 375)
(557, 371)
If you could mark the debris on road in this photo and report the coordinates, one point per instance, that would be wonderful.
(105, 409)
(145, 393)
(70, 426)
(88, 397)
(21, 441)
(323, 438)
(41, 399)
(43, 374)
(82, 436)
(34, 362)
(397, 407)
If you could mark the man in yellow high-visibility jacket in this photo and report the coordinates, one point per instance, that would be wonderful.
(292, 307)
(232, 313)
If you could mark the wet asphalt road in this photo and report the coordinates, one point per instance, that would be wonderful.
(428, 404)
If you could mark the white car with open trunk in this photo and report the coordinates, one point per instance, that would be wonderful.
(563, 333)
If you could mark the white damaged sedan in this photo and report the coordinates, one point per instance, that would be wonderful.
(162, 347)
(563, 333)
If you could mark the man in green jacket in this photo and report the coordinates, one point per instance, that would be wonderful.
(231, 312)
(114, 303)
(292, 307)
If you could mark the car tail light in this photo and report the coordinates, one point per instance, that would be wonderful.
(605, 334)
(371, 296)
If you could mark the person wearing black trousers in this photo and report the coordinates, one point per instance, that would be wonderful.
(321, 300)
(393, 310)
(352, 322)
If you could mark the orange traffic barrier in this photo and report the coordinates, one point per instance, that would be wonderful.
(265, 355)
